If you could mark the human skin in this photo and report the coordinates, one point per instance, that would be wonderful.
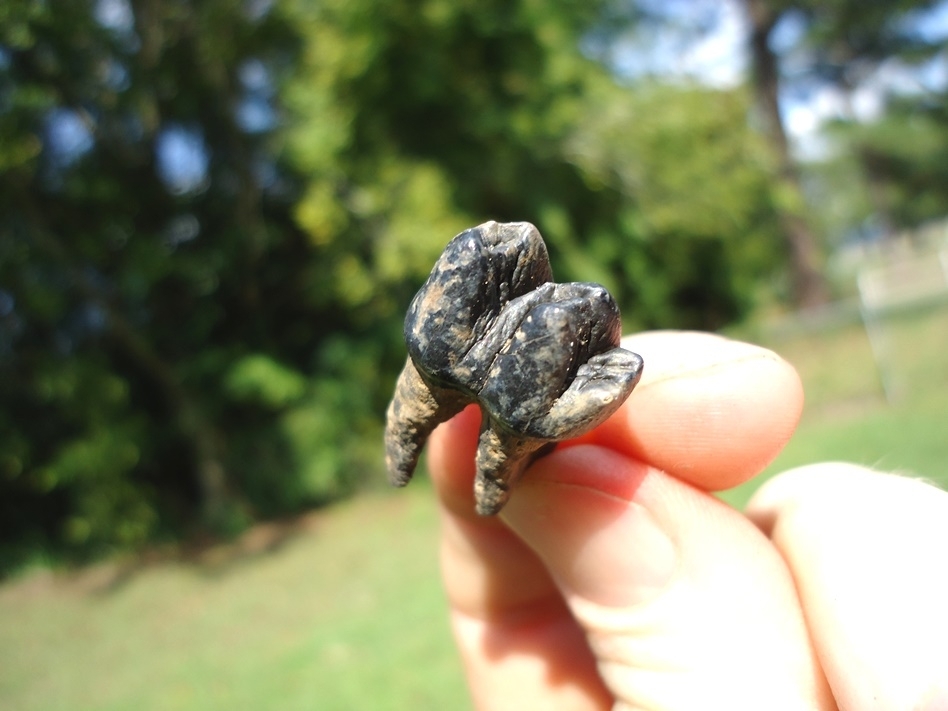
(613, 579)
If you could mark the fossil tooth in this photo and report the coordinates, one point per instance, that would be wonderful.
(542, 360)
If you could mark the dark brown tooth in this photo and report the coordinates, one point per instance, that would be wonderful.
(542, 360)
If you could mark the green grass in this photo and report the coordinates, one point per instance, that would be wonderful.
(343, 609)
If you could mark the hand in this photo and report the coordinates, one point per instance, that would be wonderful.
(612, 579)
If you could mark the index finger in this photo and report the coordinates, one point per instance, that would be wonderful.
(520, 643)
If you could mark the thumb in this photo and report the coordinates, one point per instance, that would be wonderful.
(684, 602)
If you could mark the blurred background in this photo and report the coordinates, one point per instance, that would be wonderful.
(213, 216)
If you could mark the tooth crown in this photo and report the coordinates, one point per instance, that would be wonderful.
(490, 326)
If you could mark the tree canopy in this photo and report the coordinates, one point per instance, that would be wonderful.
(213, 216)
(881, 165)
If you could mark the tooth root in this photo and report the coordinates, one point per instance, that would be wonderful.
(415, 410)
(501, 460)
(490, 495)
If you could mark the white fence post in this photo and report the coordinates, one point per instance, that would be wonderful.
(903, 282)
(868, 303)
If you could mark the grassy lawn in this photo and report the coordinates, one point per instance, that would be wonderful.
(343, 610)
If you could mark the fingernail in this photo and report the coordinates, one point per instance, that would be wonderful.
(576, 510)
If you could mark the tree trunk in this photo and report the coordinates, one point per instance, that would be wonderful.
(808, 282)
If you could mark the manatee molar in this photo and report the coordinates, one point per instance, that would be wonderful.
(542, 360)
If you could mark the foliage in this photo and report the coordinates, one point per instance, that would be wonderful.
(212, 218)
(453, 114)
(133, 281)
(899, 166)
(697, 222)
(847, 40)
(875, 180)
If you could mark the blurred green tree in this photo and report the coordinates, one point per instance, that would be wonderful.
(213, 216)
(885, 175)
(904, 178)
(146, 248)
(414, 120)
(841, 44)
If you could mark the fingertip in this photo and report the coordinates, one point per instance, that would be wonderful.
(711, 411)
